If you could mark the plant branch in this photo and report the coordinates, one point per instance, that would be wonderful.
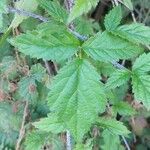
(43, 19)
(47, 66)
(68, 140)
(69, 5)
(116, 2)
(22, 129)
(126, 143)
(26, 13)
(117, 65)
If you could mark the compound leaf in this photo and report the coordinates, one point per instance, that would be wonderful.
(77, 97)
(107, 47)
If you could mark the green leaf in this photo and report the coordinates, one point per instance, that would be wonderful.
(123, 108)
(27, 5)
(10, 122)
(142, 64)
(128, 4)
(86, 146)
(54, 9)
(7, 64)
(5, 50)
(107, 47)
(135, 32)
(111, 141)
(35, 140)
(6, 125)
(48, 44)
(77, 97)
(3, 6)
(3, 9)
(112, 20)
(141, 89)
(114, 126)
(50, 124)
(27, 89)
(8, 67)
(84, 26)
(81, 7)
(29, 24)
(1, 20)
(118, 78)
(38, 71)
(106, 69)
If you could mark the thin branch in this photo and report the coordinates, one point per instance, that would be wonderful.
(147, 15)
(117, 65)
(47, 66)
(26, 13)
(22, 129)
(133, 17)
(78, 35)
(68, 140)
(116, 2)
(43, 19)
(69, 5)
(126, 143)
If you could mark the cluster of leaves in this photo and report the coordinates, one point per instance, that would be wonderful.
(88, 91)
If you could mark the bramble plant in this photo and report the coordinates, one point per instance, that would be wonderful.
(89, 71)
